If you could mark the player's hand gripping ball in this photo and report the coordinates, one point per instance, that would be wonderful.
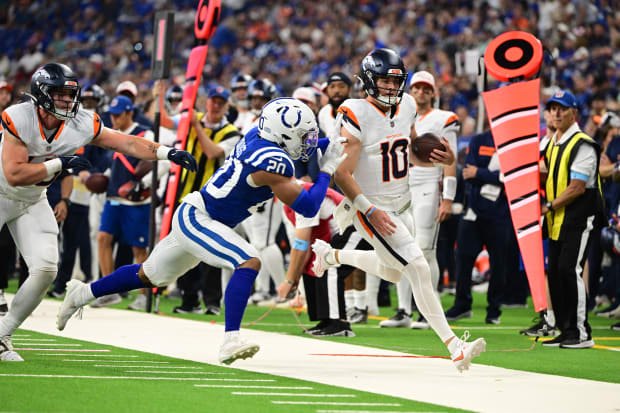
(424, 144)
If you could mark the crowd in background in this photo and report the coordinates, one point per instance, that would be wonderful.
(295, 43)
(298, 42)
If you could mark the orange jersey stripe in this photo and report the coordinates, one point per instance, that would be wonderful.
(359, 216)
(451, 119)
(486, 150)
(348, 113)
(6, 120)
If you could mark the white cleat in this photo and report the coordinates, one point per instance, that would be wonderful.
(321, 250)
(465, 352)
(234, 348)
(7, 353)
(71, 303)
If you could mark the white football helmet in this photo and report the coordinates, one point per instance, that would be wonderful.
(290, 124)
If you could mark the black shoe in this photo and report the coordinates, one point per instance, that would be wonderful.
(541, 329)
(4, 308)
(456, 313)
(616, 327)
(55, 294)
(212, 310)
(492, 320)
(321, 325)
(359, 316)
(335, 328)
(187, 310)
(576, 343)
(555, 342)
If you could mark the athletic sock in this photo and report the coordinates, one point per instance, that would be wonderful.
(372, 293)
(359, 299)
(123, 279)
(403, 290)
(236, 296)
(349, 298)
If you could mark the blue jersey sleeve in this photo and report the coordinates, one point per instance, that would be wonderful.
(264, 155)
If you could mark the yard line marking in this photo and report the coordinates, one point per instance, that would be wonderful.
(55, 376)
(62, 349)
(237, 386)
(147, 367)
(55, 344)
(179, 372)
(20, 335)
(606, 347)
(241, 393)
(33, 339)
(87, 355)
(123, 361)
(338, 403)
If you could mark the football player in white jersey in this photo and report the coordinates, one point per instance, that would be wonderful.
(374, 178)
(338, 90)
(430, 207)
(39, 140)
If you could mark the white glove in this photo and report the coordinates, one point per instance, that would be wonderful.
(333, 156)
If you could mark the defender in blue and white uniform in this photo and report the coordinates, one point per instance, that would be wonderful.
(260, 166)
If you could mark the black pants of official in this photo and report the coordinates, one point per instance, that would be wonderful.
(204, 278)
(75, 236)
(472, 236)
(448, 231)
(7, 257)
(566, 286)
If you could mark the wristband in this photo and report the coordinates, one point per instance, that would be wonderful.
(67, 201)
(449, 187)
(362, 204)
(300, 244)
(372, 209)
(289, 281)
(53, 166)
(162, 152)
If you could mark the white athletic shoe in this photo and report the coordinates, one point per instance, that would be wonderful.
(7, 353)
(139, 304)
(234, 348)
(321, 251)
(400, 320)
(465, 352)
(106, 300)
(72, 303)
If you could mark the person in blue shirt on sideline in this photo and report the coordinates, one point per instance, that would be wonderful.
(260, 166)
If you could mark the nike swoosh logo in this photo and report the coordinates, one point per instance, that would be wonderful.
(459, 357)
(8, 122)
(426, 193)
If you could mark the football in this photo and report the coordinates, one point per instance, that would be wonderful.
(133, 191)
(424, 144)
(97, 183)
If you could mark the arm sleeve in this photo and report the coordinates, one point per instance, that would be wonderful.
(309, 202)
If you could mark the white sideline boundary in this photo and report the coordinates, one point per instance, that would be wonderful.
(481, 389)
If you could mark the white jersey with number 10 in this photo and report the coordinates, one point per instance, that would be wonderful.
(383, 165)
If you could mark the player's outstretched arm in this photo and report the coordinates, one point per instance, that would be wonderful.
(143, 148)
(299, 257)
(20, 172)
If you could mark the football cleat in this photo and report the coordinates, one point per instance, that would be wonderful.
(7, 353)
(321, 251)
(73, 303)
(466, 351)
(234, 348)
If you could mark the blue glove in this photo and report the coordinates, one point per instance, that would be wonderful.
(77, 163)
(185, 159)
(323, 144)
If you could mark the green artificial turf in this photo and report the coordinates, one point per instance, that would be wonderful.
(49, 382)
(505, 346)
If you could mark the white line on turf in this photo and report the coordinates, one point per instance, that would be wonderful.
(124, 361)
(33, 339)
(242, 393)
(337, 403)
(147, 367)
(243, 386)
(20, 335)
(178, 372)
(85, 355)
(370, 411)
(62, 376)
(86, 350)
(54, 344)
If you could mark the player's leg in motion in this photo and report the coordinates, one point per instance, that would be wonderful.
(395, 255)
(35, 233)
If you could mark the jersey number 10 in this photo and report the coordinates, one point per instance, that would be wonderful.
(395, 159)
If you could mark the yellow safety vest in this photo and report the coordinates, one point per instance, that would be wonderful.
(559, 159)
